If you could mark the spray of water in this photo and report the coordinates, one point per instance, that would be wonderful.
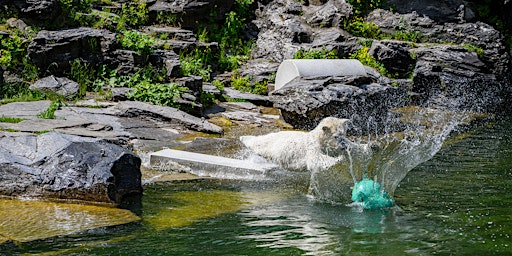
(411, 136)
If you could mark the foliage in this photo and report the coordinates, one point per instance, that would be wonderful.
(362, 7)
(6, 119)
(21, 95)
(158, 94)
(132, 14)
(244, 84)
(358, 27)
(218, 84)
(71, 10)
(316, 54)
(473, 48)
(234, 49)
(84, 74)
(13, 52)
(408, 35)
(136, 41)
(169, 19)
(232, 59)
(366, 59)
(50, 112)
(196, 63)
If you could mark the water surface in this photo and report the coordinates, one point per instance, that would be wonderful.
(457, 203)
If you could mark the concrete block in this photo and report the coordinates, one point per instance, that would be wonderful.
(290, 69)
(212, 166)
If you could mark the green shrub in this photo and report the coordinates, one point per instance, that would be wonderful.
(84, 74)
(408, 35)
(136, 41)
(244, 84)
(197, 63)
(358, 27)
(133, 15)
(219, 85)
(158, 94)
(366, 59)
(473, 48)
(316, 54)
(361, 7)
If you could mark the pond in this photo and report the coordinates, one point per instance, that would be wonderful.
(457, 203)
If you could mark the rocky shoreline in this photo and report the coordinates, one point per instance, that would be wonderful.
(447, 60)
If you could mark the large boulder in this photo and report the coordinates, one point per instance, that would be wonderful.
(54, 165)
(440, 11)
(190, 13)
(452, 77)
(33, 10)
(55, 49)
(304, 101)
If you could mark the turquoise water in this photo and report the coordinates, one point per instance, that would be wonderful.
(458, 203)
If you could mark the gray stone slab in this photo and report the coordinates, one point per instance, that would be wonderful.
(290, 69)
(211, 166)
(27, 110)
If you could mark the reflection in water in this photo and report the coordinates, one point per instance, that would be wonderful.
(308, 225)
(25, 220)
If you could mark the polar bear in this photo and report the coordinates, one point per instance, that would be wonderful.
(318, 149)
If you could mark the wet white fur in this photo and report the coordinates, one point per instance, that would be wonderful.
(301, 151)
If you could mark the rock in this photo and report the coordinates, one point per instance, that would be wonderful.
(37, 10)
(330, 14)
(305, 101)
(281, 30)
(260, 100)
(61, 166)
(166, 60)
(25, 110)
(176, 116)
(125, 62)
(120, 93)
(190, 13)
(394, 55)
(451, 77)
(171, 33)
(259, 70)
(55, 49)
(441, 11)
(61, 86)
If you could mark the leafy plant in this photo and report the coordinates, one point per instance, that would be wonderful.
(159, 94)
(196, 63)
(358, 27)
(244, 84)
(50, 112)
(473, 48)
(408, 35)
(136, 41)
(84, 74)
(362, 7)
(132, 14)
(316, 54)
(218, 84)
(366, 59)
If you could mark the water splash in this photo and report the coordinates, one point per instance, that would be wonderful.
(412, 136)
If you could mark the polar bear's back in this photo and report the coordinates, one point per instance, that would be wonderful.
(287, 148)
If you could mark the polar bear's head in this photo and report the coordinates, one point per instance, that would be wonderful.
(330, 134)
(332, 127)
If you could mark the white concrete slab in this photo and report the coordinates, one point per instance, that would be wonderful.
(290, 69)
(211, 166)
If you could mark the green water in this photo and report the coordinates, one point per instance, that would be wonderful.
(458, 203)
